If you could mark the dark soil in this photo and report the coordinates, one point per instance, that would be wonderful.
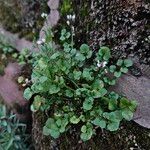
(129, 136)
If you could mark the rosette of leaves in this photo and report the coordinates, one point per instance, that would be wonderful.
(73, 84)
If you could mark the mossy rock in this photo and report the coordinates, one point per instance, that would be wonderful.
(23, 16)
(130, 135)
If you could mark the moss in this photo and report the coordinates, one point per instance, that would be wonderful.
(23, 16)
(10, 15)
(66, 7)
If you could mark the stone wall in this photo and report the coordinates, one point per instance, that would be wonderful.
(23, 16)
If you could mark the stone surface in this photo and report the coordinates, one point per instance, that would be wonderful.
(23, 16)
(10, 92)
(53, 4)
(136, 88)
(122, 25)
(52, 19)
(13, 40)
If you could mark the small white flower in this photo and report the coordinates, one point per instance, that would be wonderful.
(68, 17)
(39, 42)
(43, 15)
(26, 80)
(104, 64)
(43, 40)
(73, 17)
(106, 71)
(98, 64)
(68, 22)
(24, 84)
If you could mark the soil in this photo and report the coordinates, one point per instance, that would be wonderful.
(129, 136)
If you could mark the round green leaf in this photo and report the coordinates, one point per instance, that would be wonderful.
(83, 129)
(127, 114)
(80, 57)
(27, 93)
(128, 63)
(119, 62)
(54, 89)
(113, 126)
(20, 79)
(54, 133)
(112, 68)
(69, 93)
(88, 103)
(124, 70)
(99, 122)
(46, 131)
(104, 52)
(112, 104)
(117, 74)
(84, 49)
(74, 120)
(77, 74)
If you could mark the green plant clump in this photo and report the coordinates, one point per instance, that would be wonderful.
(12, 132)
(73, 84)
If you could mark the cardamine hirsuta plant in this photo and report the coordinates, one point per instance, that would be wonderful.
(72, 84)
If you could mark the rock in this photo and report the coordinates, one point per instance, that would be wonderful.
(52, 18)
(13, 40)
(11, 94)
(136, 88)
(53, 4)
(23, 16)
